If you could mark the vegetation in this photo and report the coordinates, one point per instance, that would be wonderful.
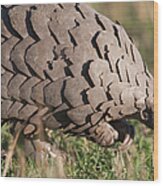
(86, 160)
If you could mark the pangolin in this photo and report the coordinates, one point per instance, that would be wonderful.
(67, 67)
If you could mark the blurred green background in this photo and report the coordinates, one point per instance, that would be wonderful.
(83, 159)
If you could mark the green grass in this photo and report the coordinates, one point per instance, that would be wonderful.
(87, 160)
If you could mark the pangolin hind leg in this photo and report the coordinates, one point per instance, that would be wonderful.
(37, 141)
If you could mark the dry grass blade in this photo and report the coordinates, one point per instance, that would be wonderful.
(11, 151)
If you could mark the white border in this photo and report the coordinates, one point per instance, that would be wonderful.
(47, 182)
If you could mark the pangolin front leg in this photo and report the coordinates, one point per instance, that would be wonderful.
(106, 134)
(125, 131)
(103, 133)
